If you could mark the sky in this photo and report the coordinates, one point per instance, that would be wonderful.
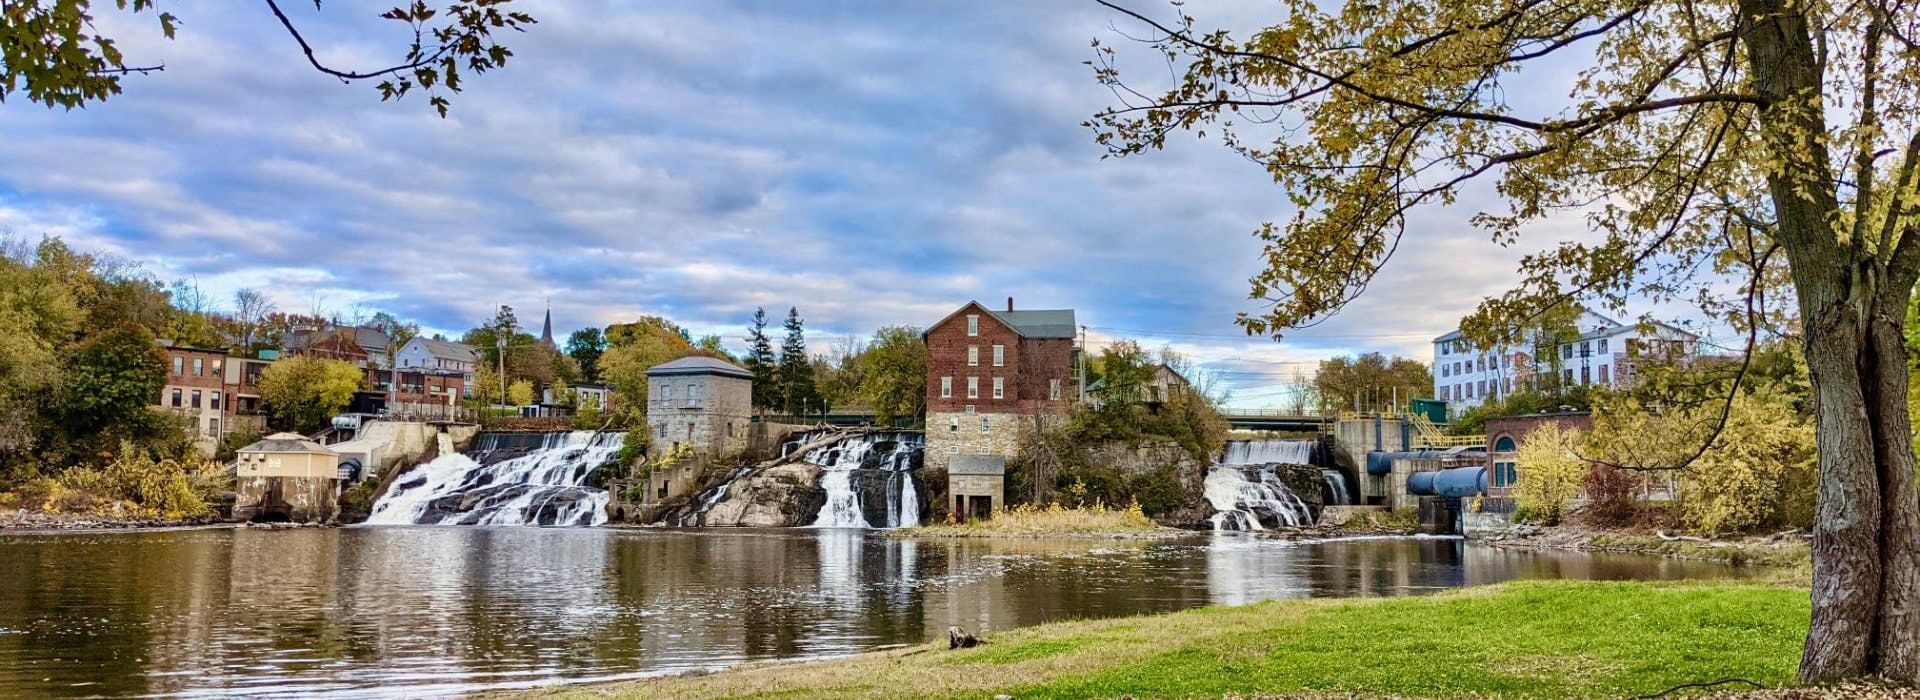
(870, 163)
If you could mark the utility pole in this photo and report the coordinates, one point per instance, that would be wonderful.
(1081, 380)
(500, 343)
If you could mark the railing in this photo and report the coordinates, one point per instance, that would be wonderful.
(1433, 437)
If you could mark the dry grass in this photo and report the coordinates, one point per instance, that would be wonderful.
(1052, 521)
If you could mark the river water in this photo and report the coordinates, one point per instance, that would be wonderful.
(423, 611)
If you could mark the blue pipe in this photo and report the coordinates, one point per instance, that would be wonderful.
(1459, 482)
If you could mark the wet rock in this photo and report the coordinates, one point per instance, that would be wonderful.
(786, 495)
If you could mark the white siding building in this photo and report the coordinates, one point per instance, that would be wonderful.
(1603, 354)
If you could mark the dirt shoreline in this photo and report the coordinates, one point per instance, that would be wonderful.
(1786, 549)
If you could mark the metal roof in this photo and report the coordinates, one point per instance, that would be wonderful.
(977, 465)
(287, 442)
(447, 349)
(698, 364)
(1040, 323)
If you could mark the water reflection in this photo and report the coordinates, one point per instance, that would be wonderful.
(426, 611)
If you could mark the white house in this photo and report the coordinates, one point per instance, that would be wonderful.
(1603, 354)
(439, 354)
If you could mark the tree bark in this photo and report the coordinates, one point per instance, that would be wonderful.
(1866, 558)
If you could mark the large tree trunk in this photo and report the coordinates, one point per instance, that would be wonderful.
(1866, 549)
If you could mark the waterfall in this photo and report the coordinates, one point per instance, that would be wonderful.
(1336, 483)
(1245, 492)
(1268, 452)
(516, 480)
(860, 459)
(1253, 498)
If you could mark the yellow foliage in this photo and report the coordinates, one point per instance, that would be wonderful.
(137, 484)
(1761, 472)
(1057, 518)
(1551, 471)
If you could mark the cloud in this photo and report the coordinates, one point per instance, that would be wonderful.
(871, 163)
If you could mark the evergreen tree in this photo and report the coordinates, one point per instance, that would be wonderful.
(766, 389)
(796, 371)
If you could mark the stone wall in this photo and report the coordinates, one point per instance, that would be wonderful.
(276, 498)
(950, 434)
(1137, 458)
(716, 425)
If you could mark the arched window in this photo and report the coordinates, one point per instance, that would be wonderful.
(1504, 444)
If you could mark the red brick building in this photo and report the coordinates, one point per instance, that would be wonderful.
(986, 370)
(196, 390)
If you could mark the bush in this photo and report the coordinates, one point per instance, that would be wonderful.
(135, 482)
(1613, 495)
(356, 503)
(1760, 475)
(1551, 472)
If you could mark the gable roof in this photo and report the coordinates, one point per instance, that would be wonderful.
(449, 350)
(1029, 323)
(698, 364)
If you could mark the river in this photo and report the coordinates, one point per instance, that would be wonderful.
(423, 611)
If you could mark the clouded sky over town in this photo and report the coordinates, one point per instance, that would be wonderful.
(873, 163)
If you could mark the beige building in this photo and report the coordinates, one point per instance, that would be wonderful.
(286, 477)
(702, 403)
(976, 485)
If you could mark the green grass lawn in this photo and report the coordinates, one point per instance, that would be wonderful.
(1532, 639)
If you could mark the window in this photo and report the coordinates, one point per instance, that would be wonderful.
(1585, 376)
(1566, 352)
(953, 424)
(973, 356)
(1445, 370)
(196, 398)
(1504, 444)
(176, 398)
(999, 355)
(1603, 346)
(199, 367)
(213, 427)
(215, 402)
(693, 395)
(177, 363)
(1504, 474)
(1603, 375)
(973, 324)
(1053, 389)
(666, 393)
(1569, 375)
(973, 387)
(999, 387)
(946, 387)
(986, 424)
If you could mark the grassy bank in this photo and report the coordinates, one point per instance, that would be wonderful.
(1053, 521)
(1533, 639)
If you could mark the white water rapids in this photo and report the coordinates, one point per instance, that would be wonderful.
(892, 453)
(544, 486)
(1246, 493)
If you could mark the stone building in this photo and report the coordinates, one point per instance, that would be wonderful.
(286, 477)
(704, 403)
(195, 390)
(976, 485)
(992, 374)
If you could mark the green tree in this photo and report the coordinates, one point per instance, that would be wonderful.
(112, 378)
(713, 345)
(585, 347)
(797, 391)
(56, 50)
(1370, 381)
(761, 361)
(1731, 137)
(303, 392)
(893, 375)
(398, 333)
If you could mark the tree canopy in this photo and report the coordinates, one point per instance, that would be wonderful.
(57, 53)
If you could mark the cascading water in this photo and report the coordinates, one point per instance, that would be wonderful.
(858, 458)
(508, 480)
(1247, 494)
(1336, 483)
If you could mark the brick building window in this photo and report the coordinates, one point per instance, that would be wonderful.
(999, 355)
(178, 362)
(999, 388)
(973, 387)
(196, 398)
(973, 324)
(215, 402)
(1053, 389)
(946, 387)
(199, 367)
(176, 398)
(973, 356)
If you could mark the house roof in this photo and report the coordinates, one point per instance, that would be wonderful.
(449, 350)
(287, 442)
(1029, 323)
(1597, 324)
(977, 465)
(698, 364)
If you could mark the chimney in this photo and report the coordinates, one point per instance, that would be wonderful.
(1009, 303)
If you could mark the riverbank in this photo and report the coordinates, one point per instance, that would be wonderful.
(22, 522)
(1535, 638)
(1054, 522)
(1785, 550)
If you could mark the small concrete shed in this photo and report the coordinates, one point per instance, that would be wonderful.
(286, 477)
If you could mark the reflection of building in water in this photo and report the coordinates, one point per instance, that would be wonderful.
(1243, 570)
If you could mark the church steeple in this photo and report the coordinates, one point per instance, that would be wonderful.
(546, 327)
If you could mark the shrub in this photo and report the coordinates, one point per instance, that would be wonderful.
(1761, 474)
(1613, 495)
(1551, 472)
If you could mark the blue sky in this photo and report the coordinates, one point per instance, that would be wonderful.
(872, 163)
